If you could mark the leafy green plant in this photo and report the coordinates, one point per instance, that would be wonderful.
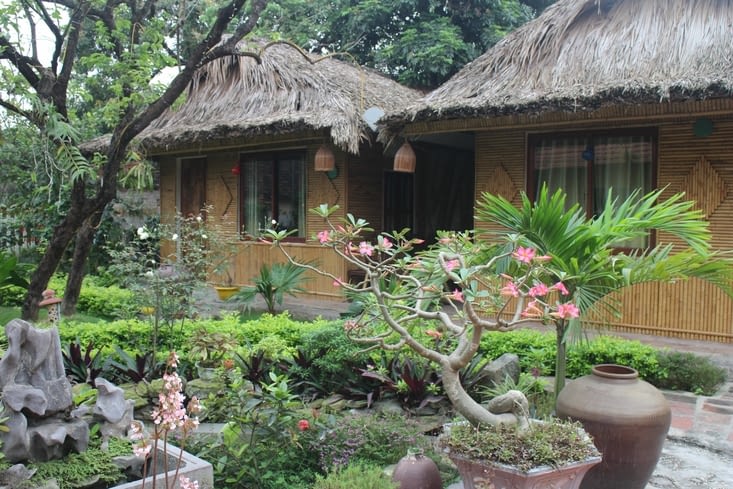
(379, 439)
(82, 367)
(553, 444)
(686, 371)
(210, 347)
(264, 443)
(11, 272)
(541, 401)
(355, 476)
(273, 283)
(609, 349)
(414, 382)
(137, 367)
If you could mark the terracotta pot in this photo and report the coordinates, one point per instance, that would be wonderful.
(478, 474)
(416, 471)
(628, 420)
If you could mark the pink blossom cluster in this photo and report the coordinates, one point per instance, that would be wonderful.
(170, 415)
(538, 290)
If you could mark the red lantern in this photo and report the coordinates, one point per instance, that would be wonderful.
(236, 170)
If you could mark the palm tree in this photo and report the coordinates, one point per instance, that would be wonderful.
(585, 253)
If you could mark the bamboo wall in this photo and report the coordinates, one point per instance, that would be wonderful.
(222, 192)
(702, 167)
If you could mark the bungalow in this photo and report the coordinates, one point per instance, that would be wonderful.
(263, 141)
(595, 94)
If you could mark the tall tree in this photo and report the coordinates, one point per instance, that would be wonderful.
(132, 41)
(420, 43)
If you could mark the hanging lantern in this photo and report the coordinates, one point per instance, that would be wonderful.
(405, 159)
(325, 160)
(236, 170)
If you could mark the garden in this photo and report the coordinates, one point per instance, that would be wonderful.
(331, 404)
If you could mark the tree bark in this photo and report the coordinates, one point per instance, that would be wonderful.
(82, 248)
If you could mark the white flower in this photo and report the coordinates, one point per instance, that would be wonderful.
(174, 237)
(273, 222)
(142, 233)
(203, 236)
(198, 219)
(149, 274)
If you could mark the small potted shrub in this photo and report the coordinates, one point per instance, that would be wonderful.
(209, 348)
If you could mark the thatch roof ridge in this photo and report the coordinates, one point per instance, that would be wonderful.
(580, 54)
(288, 91)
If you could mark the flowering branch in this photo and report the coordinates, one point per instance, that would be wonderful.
(169, 417)
(460, 287)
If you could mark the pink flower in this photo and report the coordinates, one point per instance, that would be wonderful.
(457, 296)
(337, 282)
(510, 289)
(524, 255)
(385, 243)
(538, 290)
(365, 248)
(451, 264)
(532, 311)
(142, 450)
(186, 483)
(434, 334)
(566, 311)
(560, 287)
(324, 236)
(303, 424)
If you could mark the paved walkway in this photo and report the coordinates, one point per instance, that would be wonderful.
(699, 447)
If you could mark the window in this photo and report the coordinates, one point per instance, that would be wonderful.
(586, 166)
(273, 188)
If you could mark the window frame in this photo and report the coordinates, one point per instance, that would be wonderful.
(275, 157)
(591, 135)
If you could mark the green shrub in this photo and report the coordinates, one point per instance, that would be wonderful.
(610, 349)
(336, 360)
(104, 301)
(377, 439)
(356, 476)
(536, 350)
(686, 371)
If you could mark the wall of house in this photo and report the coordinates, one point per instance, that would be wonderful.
(702, 167)
(222, 192)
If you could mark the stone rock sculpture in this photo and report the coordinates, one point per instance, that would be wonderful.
(37, 397)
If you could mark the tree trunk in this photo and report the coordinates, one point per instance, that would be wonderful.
(560, 357)
(50, 260)
(475, 413)
(82, 248)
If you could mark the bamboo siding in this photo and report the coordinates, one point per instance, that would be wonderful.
(702, 167)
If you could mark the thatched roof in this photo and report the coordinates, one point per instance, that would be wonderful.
(581, 54)
(287, 92)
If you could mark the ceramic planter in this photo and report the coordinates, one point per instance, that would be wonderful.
(478, 474)
(192, 467)
(628, 420)
(225, 292)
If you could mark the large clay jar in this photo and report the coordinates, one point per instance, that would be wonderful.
(416, 471)
(628, 420)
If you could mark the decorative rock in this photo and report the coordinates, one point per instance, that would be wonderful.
(111, 404)
(15, 476)
(496, 372)
(37, 397)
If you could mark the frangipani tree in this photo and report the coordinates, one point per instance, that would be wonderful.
(586, 252)
(406, 293)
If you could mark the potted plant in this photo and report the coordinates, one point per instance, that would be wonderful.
(209, 348)
(465, 285)
(454, 291)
